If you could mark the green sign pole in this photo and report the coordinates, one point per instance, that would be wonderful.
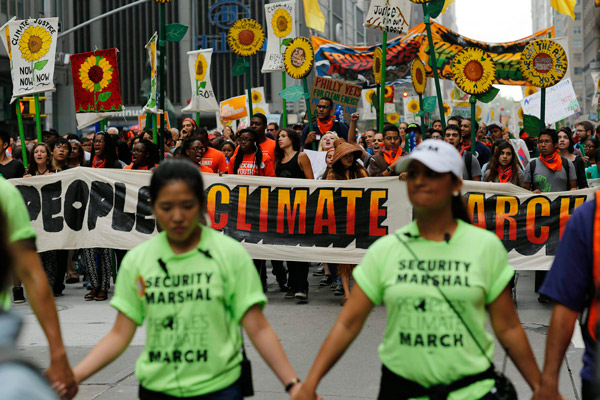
(162, 45)
(22, 134)
(284, 119)
(433, 62)
(473, 100)
(154, 128)
(38, 120)
(308, 111)
(382, 90)
(422, 116)
(543, 110)
(248, 87)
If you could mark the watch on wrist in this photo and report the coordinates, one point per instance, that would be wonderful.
(292, 383)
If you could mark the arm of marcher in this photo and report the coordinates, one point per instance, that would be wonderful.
(560, 332)
(29, 269)
(511, 335)
(108, 349)
(346, 328)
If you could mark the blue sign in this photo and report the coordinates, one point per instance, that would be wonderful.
(225, 12)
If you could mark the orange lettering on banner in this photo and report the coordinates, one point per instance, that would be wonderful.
(325, 200)
(211, 205)
(242, 203)
(376, 212)
(564, 211)
(544, 203)
(503, 216)
(299, 208)
(264, 209)
(351, 195)
(476, 200)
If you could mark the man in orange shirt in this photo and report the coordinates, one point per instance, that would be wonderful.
(258, 122)
(212, 158)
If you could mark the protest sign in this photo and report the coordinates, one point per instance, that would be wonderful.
(234, 108)
(561, 102)
(142, 121)
(342, 93)
(369, 98)
(543, 63)
(389, 15)
(152, 103)
(286, 219)
(32, 51)
(317, 162)
(354, 64)
(259, 100)
(280, 23)
(203, 97)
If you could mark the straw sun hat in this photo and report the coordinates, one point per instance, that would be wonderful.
(342, 148)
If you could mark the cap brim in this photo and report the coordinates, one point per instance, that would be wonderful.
(422, 158)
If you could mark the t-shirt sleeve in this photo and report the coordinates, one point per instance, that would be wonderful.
(243, 282)
(572, 172)
(15, 212)
(527, 173)
(475, 168)
(569, 280)
(127, 288)
(368, 276)
(500, 271)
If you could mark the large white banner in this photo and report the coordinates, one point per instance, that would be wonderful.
(280, 22)
(561, 102)
(389, 15)
(286, 219)
(203, 97)
(33, 46)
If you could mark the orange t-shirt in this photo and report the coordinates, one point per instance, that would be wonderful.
(215, 160)
(249, 167)
(267, 147)
(204, 168)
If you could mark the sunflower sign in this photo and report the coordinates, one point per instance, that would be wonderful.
(279, 18)
(258, 99)
(203, 97)
(32, 46)
(152, 104)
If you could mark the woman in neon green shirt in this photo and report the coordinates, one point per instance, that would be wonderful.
(432, 275)
(193, 287)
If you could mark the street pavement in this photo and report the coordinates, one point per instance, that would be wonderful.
(301, 329)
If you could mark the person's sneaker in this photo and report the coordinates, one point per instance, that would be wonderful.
(333, 285)
(319, 271)
(18, 295)
(325, 280)
(289, 295)
(339, 290)
(301, 295)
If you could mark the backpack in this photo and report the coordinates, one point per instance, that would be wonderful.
(532, 169)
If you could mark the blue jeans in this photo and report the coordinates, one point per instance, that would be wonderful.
(232, 392)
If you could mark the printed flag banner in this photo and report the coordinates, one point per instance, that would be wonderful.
(4, 37)
(275, 219)
(281, 25)
(203, 97)
(389, 15)
(96, 86)
(369, 97)
(234, 108)
(152, 104)
(259, 103)
(355, 64)
(32, 49)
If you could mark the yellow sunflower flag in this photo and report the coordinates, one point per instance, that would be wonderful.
(566, 7)
(313, 15)
(203, 96)
(446, 5)
(280, 25)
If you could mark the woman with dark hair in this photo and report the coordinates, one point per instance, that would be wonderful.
(249, 159)
(590, 146)
(430, 270)
(144, 156)
(40, 160)
(212, 289)
(77, 157)
(290, 162)
(345, 166)
(503, 166)
(193, 149)
(104, 156)
(566, 146)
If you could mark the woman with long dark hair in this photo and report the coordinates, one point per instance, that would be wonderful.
(250, 160)
(503, 166)
(193, 150)
(438, 289)
(193, 288)
(144, 156)
(566, 146)
(77, 156)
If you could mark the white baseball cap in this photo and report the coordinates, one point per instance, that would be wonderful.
(436, 155)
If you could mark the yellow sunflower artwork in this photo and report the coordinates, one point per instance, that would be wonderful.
(35, 43)
(95, 73)
(201, 67)
(447, 109)
(299, 58)
(529, 90)
(369, 95)
(259, 110)
(281, 23)
(245, 37)
(414, 106)
(377, 64)
(393, 118)
(418, 76)
(256, 97)
(477, 112)
(520, 112)
(474, 71)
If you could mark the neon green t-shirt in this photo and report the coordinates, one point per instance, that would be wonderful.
(193, 315)
(424, 341)
(17, 219)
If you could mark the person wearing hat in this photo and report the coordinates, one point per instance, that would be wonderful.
(312, 133)
(435, 343)
(50, 137)
(496, 130)
(418, 134)
(188, 127)
(384, 162)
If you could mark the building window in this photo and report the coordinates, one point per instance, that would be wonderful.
(578, 71)
(577, 30)
(578, 43)
(577, 16)
(578, 57)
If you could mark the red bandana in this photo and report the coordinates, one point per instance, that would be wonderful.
(553, 161)
(325, 126)
(466, 146)
(505, 174)
(98, 163)
(391, 156)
